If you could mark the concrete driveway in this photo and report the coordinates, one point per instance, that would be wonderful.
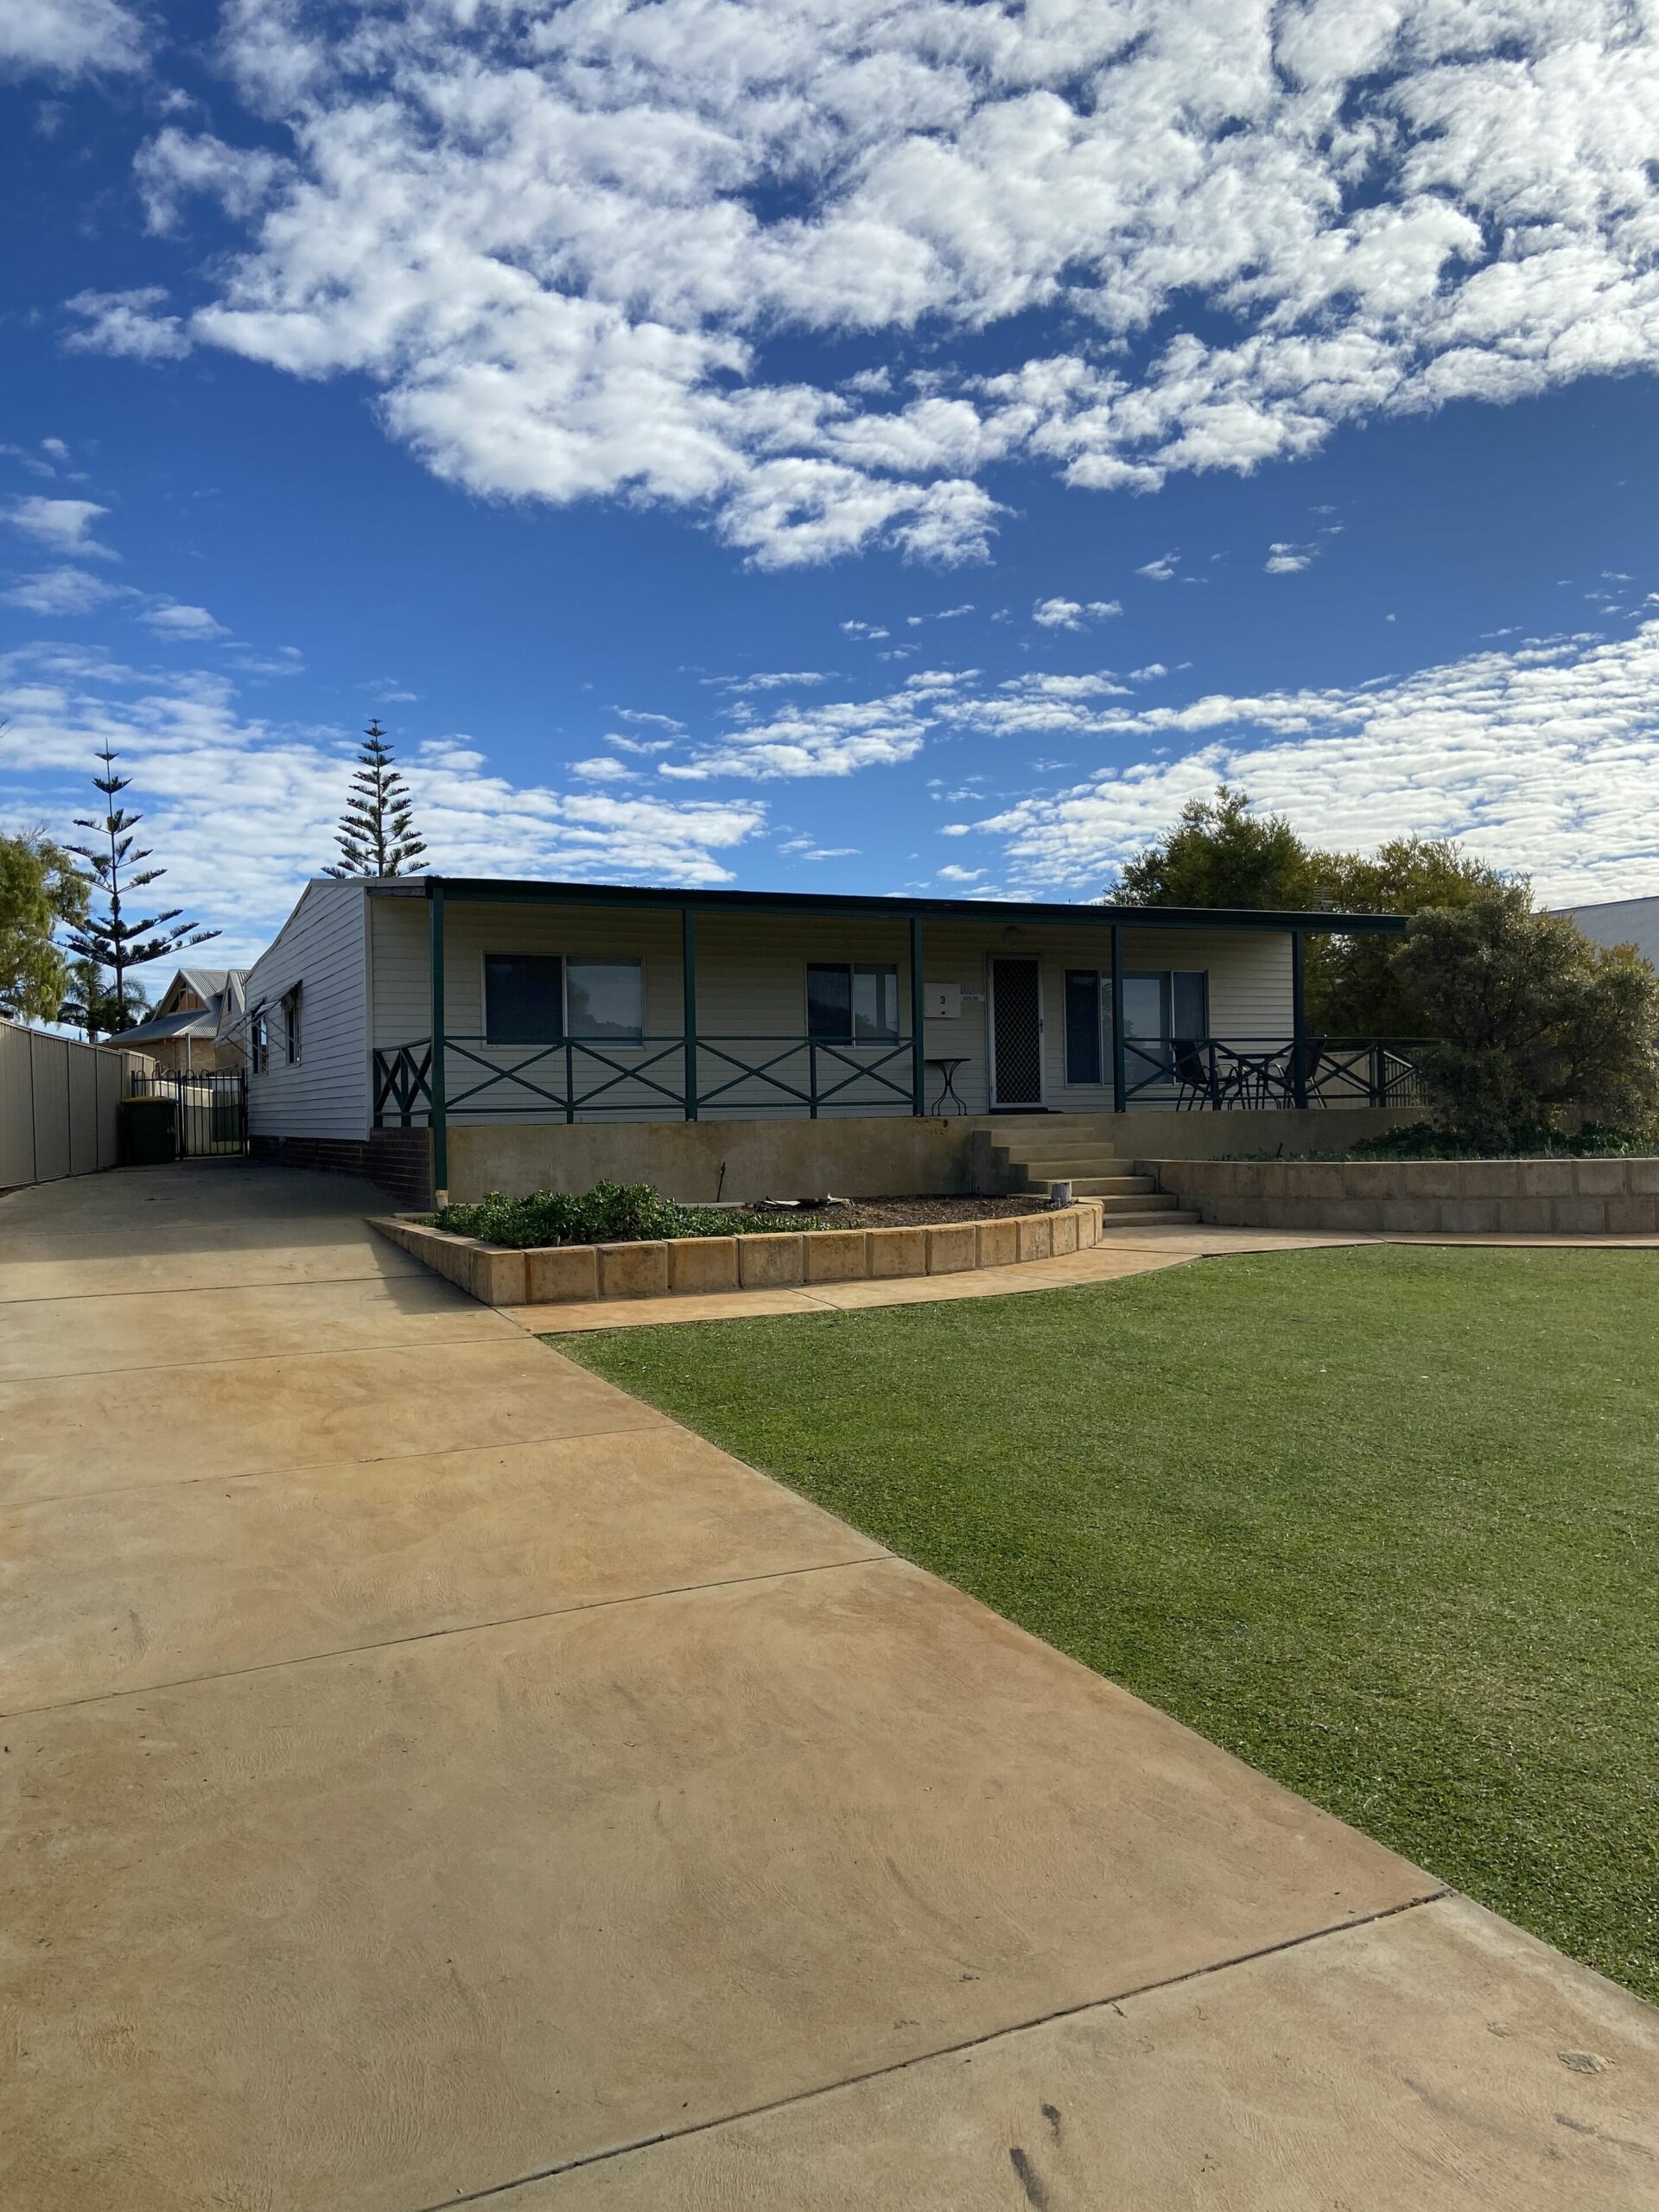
(430, 1774)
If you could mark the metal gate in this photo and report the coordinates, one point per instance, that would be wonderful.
(211, 1110)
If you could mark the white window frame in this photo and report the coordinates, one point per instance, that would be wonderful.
(293, 1006)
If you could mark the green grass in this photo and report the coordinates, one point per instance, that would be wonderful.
(1383, 1521)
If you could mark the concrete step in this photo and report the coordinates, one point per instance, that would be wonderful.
(1145, 1200)
(1007, 1126)
(1089, 1183)
(1176, 1220)
(1116, 1187)
(1048, 1166)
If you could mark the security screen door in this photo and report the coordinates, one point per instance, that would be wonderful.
(1016, 1033)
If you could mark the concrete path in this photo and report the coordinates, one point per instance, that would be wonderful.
(1120, 1253)
(430, 1775)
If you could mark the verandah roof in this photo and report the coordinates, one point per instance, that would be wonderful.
(528, 892)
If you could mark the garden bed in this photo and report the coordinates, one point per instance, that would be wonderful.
(939, 1236)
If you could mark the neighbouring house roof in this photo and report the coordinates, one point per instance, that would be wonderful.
(214, 986)
(200, 1022)
(509, 891)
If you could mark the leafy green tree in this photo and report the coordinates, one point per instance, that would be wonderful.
(1534, 1019)
(1355, 988)
(1221, 853)
(114, 870)
(92, 1008)
(376, 834)
(40, 891)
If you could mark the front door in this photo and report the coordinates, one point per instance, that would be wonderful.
(1016, 1033)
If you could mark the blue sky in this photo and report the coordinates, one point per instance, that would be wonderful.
(832, 444)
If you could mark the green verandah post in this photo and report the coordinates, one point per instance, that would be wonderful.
(1119, 1084)
(917, 1020)
(689, 966)
(439, 1117)
(1298, 1022)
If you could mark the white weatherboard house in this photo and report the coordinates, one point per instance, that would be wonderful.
(733, 1041)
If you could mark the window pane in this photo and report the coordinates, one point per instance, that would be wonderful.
(522, 998)
(829, 1003)
(1189, 994)
(1083, 1025)
(875, 1005)
(607, 1000)
(1145, 1001)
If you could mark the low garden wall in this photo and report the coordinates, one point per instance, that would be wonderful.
(857, 1156)
(559, 1275)
(1422, 1197)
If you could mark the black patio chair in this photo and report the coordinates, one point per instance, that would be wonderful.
(1195, 1072)
(1298, 1072)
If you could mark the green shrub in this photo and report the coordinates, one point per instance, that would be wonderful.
(1422, 1140)
(610, 1213)
(1534, 1023)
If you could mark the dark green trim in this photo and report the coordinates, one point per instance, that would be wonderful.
(917, 1019)
(688, 970)
(1298, 1020)
(1120, 1074)
(435, 1081)
(486, 891)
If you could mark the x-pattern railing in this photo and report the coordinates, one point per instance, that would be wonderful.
(555, 1078)
(1212, 1072)
(402, 1078)
(1258, 1072)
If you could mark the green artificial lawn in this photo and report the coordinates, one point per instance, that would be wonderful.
(1381, 1521)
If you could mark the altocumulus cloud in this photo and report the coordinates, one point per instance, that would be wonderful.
(1545, 759)
(242, 811)
(563, 243)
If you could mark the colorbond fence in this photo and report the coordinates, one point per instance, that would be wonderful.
(57, 1105)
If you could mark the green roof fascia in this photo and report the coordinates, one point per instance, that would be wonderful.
(494, 891)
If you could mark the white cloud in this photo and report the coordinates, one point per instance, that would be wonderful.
(1072, 614)
(1287, 560)
(1149, 674)
(68, 38)
(658, 721)
(1544, 759)
(803, 848)
(131, 323)
(59, 591)
(641, 745)
(832, 738)
(1162, 571)
(184, 740)
(783, 679)
(62, 526)
(171, 618)
(868, 630)
(604, 769)
(954, 875)
(563, 244)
